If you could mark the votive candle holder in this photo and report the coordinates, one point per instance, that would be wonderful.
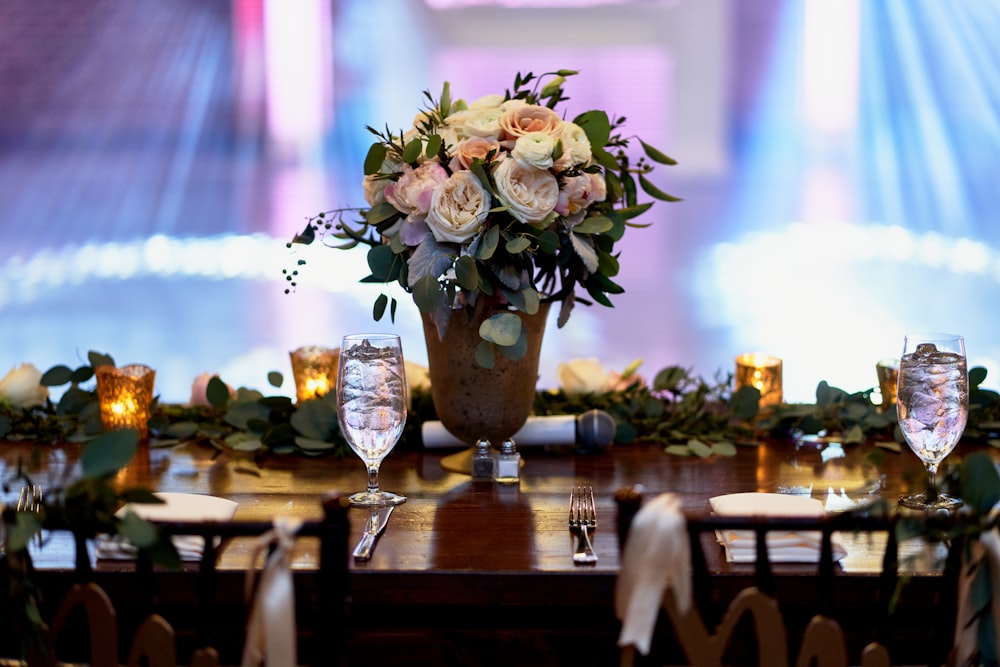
(887, 371)
(315, 371)
(762, 371)
(125, 396)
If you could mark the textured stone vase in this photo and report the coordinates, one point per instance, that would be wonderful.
(475, 402)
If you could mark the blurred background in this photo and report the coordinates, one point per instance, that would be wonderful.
(838, 163)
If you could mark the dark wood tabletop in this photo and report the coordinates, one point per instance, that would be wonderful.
(476, 568)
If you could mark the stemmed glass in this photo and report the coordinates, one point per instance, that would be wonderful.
(371, 406)
(932, 405)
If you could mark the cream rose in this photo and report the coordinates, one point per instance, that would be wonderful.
(520, 120)
(579, 192)
(458, 208)
(582, 376)
(22, 387)
(375, 189)
(473, 148)
(411, 194)
(576, 147)
(476, 123)
(529, 194)
(535, 149)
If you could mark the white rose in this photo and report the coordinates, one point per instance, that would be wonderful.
(529, 194)
(476, 123)
(459, 207)
(535, 149)
(582, 376)
(576, 147)
(22, 387)
(411, 194)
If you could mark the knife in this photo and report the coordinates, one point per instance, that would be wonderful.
(378, 517)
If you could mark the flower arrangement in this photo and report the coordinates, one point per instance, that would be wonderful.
(501, 204)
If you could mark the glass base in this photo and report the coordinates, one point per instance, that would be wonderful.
(377, 499)
(919, 501)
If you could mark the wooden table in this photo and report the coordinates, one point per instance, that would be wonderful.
(481, 574)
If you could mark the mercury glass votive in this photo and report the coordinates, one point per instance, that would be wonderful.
(763, 372)
(315, 371)
(125, 395)
(887, 371)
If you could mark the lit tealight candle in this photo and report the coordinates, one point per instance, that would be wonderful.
(125, 395)
(763, 372)
(315, 371)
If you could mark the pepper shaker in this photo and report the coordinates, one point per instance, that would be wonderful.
(483, 462)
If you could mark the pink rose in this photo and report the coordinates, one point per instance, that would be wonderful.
(411, 194)
(199, 389)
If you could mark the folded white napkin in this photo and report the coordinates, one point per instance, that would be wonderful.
(656, 559)
(175, 507)
(782, 546)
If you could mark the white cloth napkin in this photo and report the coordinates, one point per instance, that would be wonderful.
(270, 638)
(782, 546)
(175, 507)
(656, 559)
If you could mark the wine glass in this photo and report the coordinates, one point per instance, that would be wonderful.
(932, 406)
(371, 406)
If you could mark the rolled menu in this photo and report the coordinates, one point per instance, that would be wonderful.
(782, 546)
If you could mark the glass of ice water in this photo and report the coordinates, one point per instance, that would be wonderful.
(371, 406)
(932, 406)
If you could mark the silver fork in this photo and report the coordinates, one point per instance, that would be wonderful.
(582, 522)
(30, 500)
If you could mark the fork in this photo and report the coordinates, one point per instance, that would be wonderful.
(30, 500)
(582, 521)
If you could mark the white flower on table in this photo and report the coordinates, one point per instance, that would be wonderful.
(22, 387)
(587, 376)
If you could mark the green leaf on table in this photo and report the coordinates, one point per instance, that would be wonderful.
(275, 379)
(889, 445)
(241, 413)
(56, 376)
(699, 448)
(108, 453)
(217, 392)
(745, 403)
(181, 430)
(314, 447)
(316, 420)
(724, 448)
(677, 450)
(98, 359)
(242, 441)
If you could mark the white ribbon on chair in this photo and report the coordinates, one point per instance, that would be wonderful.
(984, 552)
(656, 558)
(271, 634)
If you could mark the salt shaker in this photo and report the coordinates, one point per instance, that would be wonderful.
(483, 463)
(508, 463)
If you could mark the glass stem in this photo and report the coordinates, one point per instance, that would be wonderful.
(932, 469)
(372, 479)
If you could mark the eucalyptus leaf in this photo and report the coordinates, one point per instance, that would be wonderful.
(217, 392)
(677, 450)
(724, 448)
(139, 531)
(467, 273)
(97, 359)
(699, 448)
(108, 453)
(275, 379)
(502, 329)
(56, 376)
(375, 158)
(595, 224)
(316, 420)
(412, 150)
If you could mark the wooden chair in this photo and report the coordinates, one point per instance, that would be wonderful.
(87, 626)
(707, 633)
